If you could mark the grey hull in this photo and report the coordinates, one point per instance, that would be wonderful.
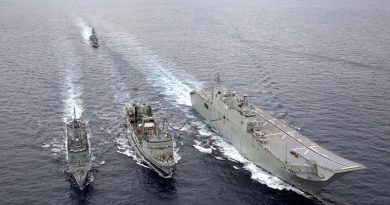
(78, 168)
(152, 145)
(163, 171)
(269, 143)
(78, 151)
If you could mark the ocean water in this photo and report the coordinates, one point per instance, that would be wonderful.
(323, 67)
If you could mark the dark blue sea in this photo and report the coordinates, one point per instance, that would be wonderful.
(322, 66)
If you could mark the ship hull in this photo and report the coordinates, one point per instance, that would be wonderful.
(79, 167)
(251, 149)
(163, 171)
(78, 152)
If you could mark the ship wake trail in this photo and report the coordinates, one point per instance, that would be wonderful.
(86, 30)
(159, 76)
(72, 99)
(158, 73)
(120, 94)
(72, 92)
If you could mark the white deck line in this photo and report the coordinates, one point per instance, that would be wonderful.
(274, 134)
(298, 140)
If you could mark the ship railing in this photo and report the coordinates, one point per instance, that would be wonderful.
(302, 169)
(312, 163)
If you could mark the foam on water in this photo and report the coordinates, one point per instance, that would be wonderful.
(72, 103)
(198, 146)
(220, 158)
(73, 92)
(204, 132)
(56, 150)
(86, 30)
(125, 148)
(55, 146)
(258, 174)
(45, 145)
(176, 155)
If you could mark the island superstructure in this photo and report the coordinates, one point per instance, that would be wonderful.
(268, 142)
(153, 146)
(78, 150)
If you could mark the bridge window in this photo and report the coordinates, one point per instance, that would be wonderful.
(206, 106)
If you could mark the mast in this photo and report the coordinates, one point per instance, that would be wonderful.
(74, 112)
(218, 81)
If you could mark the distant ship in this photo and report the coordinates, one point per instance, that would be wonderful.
(94, 39)
(154, 146)
(79, 157)
(268, 142)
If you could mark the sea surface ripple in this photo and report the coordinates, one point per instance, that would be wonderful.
(321, 66)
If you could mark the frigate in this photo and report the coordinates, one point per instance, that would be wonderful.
(153, 145)
(94, 39)
(78, 150)
(268, 142)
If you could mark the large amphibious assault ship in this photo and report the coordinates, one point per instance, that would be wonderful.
(79, 158)
(268, 142)
(93, 38)
(153, 146)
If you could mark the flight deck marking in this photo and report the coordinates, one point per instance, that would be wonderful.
(300, 148)
(274, 134)
(290, 132)
(350, 167)
(284, 136)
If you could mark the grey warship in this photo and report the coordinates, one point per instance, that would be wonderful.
(153, 146)
(78, 150)
(93, 38)
(268, 142)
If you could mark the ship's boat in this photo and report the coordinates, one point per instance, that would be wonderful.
(268, 142)
(152, 145)
(94, 40)
(78, 150)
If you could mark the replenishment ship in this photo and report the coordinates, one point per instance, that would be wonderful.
(153, 146)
